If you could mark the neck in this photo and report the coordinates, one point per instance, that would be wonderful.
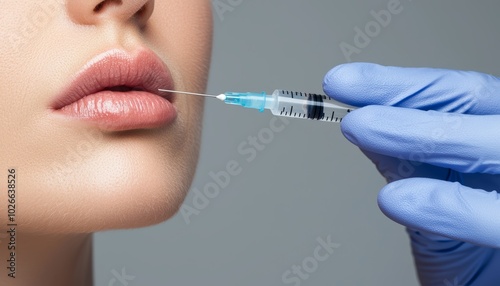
(56, 260)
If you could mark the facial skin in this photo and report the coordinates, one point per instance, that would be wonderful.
(73, 178)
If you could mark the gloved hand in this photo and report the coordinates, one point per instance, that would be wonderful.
(435, 136)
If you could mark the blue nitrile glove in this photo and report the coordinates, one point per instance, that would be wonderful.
(435, 136)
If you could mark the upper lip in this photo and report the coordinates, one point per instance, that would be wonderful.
(118, 70)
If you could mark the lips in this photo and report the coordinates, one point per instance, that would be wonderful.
(118, 91)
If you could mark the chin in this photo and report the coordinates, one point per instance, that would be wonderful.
(120, 187)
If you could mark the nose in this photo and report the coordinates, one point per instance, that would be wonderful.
(93, 12)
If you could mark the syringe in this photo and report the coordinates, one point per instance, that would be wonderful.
(285, 103)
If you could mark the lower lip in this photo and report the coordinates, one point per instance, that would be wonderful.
(120, 111)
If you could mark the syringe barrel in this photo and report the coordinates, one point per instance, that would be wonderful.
(308, 105)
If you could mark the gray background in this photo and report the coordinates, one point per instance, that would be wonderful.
(308, 182)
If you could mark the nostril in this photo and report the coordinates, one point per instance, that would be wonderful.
(141, 11)
(98, 8)
(142, 15)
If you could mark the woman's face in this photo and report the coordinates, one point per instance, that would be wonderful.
(94, 145)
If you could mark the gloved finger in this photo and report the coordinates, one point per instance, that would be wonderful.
(393, 169)
(465, 143)
(361, 84)
(444, 208)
